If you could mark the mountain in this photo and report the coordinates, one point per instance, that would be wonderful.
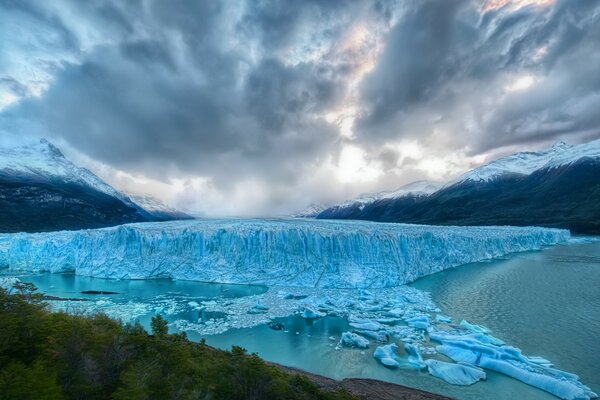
(352, 209)
(40, 190)
(557, 187)
(310, 212)
(156, 208)
(518, 164)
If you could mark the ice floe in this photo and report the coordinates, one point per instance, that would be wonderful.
(387, 355)
(455, 373)
(351, 339)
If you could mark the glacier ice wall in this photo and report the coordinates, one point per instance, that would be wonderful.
(308, 253)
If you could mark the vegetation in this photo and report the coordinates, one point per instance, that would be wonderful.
(46, 356)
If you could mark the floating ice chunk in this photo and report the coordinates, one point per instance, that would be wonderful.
(350, 339)
(509, 361)
(387, 355)
(380, 336)
(389, 321)
(455, 374)
(395, 313)
(540, 360)
(414, 355)
(260, 306)
(474, 328)
(311, 313)
(365, 324)
(443, 318)
(478, 337)
(419, 322)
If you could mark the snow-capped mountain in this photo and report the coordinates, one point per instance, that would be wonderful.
(40, 190)
(310, 212)
(418, 188)
(44, 162)
(347, 208)
(157, 208)
(523, 163)
(558, 187)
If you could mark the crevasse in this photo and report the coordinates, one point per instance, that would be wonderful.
(305, 253)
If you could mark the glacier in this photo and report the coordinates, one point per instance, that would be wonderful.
(300, 253)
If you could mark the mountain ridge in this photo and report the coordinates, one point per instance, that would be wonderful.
(41, 190)
(557, 187)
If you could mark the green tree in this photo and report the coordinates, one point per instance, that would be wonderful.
(160, 326)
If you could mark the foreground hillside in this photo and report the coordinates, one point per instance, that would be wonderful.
(47, 355)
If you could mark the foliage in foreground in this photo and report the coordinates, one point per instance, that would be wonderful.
(46, 356)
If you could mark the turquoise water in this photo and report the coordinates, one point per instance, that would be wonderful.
(547, 303)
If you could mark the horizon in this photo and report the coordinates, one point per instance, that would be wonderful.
(265, 108)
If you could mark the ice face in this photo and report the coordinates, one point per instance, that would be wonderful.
(301, 253)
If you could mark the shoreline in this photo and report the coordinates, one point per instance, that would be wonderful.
(371, 389)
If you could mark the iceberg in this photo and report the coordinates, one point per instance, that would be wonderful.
(297, 253)
(509, 361)
(414, 355)
(353, 340)
(455, 374)
(311, 313)
(387, 355)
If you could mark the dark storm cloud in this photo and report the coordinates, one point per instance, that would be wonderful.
(240, 91)
(187, 99)
(446, 56)
(278, 23)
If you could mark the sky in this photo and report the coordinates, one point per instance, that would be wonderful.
(258, 107)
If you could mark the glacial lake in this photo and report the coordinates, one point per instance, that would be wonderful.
(547, 303)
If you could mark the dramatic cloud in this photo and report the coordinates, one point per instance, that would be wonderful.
(261, 107)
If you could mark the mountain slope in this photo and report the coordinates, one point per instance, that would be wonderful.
(40, 190)
(158, 209)
(351, 209)
(558, 187)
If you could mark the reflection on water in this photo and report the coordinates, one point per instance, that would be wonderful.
(71, 286)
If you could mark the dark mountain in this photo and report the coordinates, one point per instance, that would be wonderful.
(40, 190)
(564, 192)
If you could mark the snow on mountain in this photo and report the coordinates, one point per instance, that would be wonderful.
(523, 163)
(418, 188)
(310, 212)
(307, 253)
(45, 162)
(575, 153)
(157, 208)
